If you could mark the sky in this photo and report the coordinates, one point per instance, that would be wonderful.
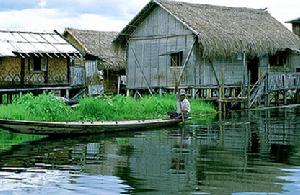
(108, 15)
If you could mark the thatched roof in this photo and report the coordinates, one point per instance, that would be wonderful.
(223, 31)
(295, 21)
(13, 43)
(98, 44)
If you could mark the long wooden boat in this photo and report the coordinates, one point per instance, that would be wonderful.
(58, 128)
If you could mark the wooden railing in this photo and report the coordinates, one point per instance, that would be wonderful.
(257, 90)
(34, 79)
(77, 78)
(283, 81)
(274, 82)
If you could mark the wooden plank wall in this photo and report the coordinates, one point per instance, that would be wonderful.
(153, 41)
(159, 35)
(294, 61)
(263, 65)
(233, 71)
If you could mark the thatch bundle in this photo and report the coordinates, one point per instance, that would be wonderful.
(224, 31)
(99, 44)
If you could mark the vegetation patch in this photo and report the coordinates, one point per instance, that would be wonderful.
(47, 107)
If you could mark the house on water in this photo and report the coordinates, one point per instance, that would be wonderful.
(36, 62)
(210, 50)
(103, 66)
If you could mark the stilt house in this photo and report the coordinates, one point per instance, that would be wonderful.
(36, 62)
(204, 47)
(103, 66)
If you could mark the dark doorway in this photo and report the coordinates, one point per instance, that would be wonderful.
(253, 69)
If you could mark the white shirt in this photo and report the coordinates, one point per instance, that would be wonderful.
(185, 105)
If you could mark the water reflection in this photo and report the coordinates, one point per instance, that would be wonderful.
(248, 153)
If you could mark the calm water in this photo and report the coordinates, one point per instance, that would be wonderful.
(255, 153)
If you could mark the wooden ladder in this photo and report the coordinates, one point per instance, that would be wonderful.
(258, 90)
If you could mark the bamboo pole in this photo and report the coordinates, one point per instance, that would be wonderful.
(245, 73)
(248, 91)
(186, 62)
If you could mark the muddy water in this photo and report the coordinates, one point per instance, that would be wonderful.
(248, 153)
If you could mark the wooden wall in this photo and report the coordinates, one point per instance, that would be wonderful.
(149, 49)
(263, 65)
(58, 70)
(10, 72)
(233, 71)
(294, 61)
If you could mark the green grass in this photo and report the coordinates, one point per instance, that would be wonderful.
(46, 107)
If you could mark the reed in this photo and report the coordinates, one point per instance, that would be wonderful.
(47, 107)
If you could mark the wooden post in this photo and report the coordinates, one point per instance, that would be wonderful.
(208, 93)
(245, 73)
(221, 93)
(127, 92)
(248, 91)
(160, 91)
(119, 84)
(193, 93)
(10, 98)
(267, 99)
(285, 97)
(67, 94)
(297, 96)
(233, 92)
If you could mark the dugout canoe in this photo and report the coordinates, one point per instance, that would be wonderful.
(77, 128)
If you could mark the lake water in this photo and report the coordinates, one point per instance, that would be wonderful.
(248, 153)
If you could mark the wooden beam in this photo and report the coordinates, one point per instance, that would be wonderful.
(158, 37)
(245, 77)
(48, 55)
(214, 71)
(186, 61)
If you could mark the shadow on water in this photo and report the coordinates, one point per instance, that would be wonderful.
(249, 152)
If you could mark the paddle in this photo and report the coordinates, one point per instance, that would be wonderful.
(178, 99)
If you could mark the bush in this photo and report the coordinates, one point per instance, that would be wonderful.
(45, 107)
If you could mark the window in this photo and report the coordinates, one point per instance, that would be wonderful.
(176, 59)
(40, 63)
(279, 59)
(37, 64)
(297, 69)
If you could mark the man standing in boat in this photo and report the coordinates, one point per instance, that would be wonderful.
(183, 107)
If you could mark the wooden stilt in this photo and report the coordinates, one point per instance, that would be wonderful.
(119, 84)
(209, 93)
(248, 91)
(67, 94)
(297, 96)
(10, 98)
(160, 91)
(193, 93)
(285, 97)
